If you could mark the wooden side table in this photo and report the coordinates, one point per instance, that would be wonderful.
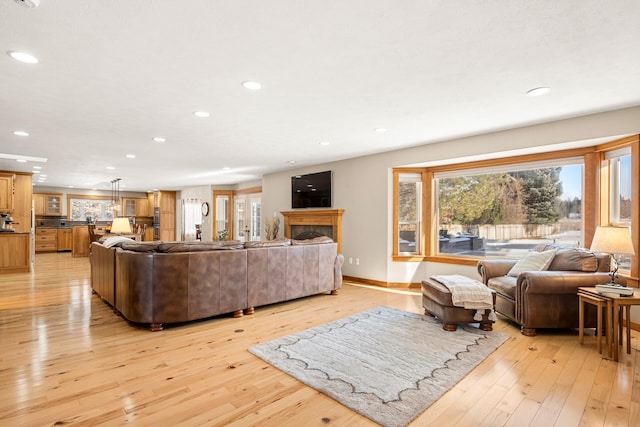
(615, 304)
(601, 304)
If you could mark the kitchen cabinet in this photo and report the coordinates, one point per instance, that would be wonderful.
(65, 239)
(15, 254)
(166, 201)
(47, 204)
(135, 207)
(7, 190)
(81, 243)
(46, 239)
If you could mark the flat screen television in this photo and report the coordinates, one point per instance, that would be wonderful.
(311, 190)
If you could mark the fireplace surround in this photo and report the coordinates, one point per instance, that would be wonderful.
(325, 222)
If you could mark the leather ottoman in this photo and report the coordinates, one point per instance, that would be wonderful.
(436, 301)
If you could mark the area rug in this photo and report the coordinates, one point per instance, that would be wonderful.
(386, 364)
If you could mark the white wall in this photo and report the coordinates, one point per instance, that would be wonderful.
(363, 187)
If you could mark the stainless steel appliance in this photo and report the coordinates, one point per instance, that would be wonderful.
(156, 223)
(6, 223)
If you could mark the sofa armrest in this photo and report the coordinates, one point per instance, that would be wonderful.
(488, 268)
(557, 282)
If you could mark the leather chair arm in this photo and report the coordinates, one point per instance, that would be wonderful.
(557, 282)
(488, 268)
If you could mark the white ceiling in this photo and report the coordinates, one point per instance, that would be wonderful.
(114, 74)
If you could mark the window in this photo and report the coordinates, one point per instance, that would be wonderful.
(409, 213)
(507, 211)
(620, 195)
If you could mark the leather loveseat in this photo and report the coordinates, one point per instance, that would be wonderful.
(547, 298)
(173, 282)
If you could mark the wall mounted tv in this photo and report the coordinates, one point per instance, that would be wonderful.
(311, 190)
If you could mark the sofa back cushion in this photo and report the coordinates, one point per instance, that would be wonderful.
(572, 259)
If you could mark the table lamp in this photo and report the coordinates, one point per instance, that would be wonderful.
(612, 240)
(120, 226)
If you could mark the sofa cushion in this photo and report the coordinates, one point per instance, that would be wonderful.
(533, 261)
(313, 241)
(504, 285)
(569, 258)
(282, 241)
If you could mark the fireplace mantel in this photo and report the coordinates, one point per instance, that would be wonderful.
(330, 217)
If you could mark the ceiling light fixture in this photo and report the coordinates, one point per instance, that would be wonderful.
(111, 167)
(325, 143)
(159, 138)
(539, 91)
(20, 133)
(23, 57)
(31, 4)
(203, 114)
(252, 85)
(28, 158)
(131, 156)
(380, 130)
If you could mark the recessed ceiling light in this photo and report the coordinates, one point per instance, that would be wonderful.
(23, 57)
(111, 167)
(380, 130)
(203, 114)
(131, 156)
(226, 168)
(292, 162)
(159, 138)
(539, 91)
(252, 85)
(325, 143)
(21, 133)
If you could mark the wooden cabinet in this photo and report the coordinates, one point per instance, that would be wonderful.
(7, 190)
(39, 203)
(135, 207)
(65, 239)
(47, 204)
(15, 255)
(166, 201)
(22, 202)
(46, 239)
(80, 246)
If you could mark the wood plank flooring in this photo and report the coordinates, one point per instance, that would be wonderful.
(67, 359)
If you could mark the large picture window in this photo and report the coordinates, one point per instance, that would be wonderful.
(618, 163)
(507, 211)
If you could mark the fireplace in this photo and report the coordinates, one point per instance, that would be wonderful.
(324, 222)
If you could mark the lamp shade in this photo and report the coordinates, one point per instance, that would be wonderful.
(612, 240)
(120, 226)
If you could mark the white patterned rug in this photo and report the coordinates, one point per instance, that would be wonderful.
(386, 364)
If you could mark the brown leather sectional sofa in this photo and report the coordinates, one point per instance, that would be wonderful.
(548, 298)
(174, 282)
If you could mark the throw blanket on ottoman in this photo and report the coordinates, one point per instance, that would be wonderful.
(468, 293)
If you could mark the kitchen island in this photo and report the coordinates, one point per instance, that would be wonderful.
(15, 252)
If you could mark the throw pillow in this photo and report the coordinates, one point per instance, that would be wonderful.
(533, 261)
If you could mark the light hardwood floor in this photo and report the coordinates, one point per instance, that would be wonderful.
(67, 359)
